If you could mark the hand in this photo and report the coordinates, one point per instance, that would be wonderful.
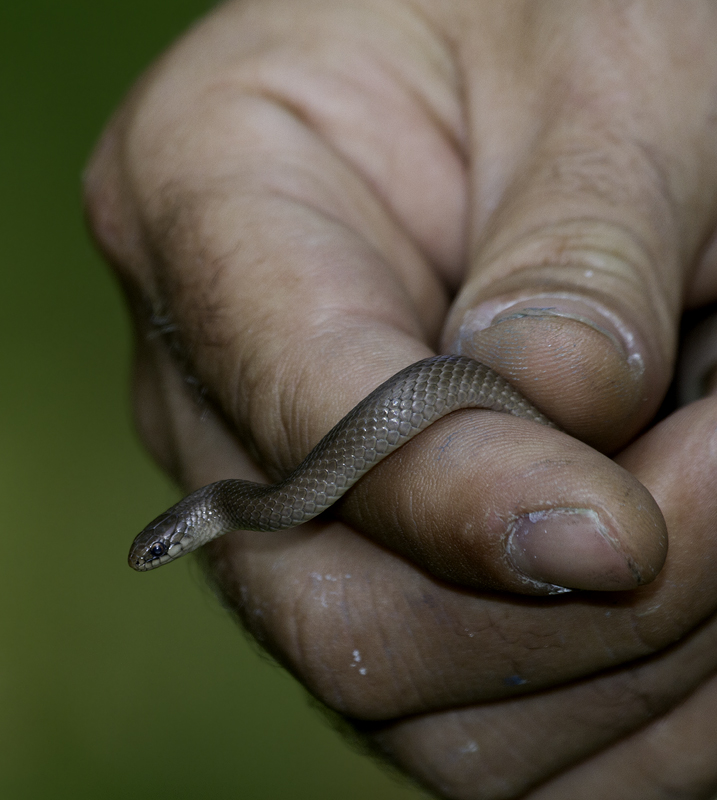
(303, 197)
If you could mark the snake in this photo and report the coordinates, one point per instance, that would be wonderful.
(391, 415)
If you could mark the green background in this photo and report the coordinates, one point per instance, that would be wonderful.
(112, 684)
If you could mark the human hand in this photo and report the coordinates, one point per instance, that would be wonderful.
(293, 195)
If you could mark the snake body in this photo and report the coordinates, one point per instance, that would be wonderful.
(395, 412)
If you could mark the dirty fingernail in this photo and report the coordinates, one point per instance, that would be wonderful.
(570, 548)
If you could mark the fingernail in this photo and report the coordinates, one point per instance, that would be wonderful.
(570, 548)
(593, 314)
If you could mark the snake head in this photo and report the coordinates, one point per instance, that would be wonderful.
(165, 538)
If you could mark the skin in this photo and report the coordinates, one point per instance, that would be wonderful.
(300, 199)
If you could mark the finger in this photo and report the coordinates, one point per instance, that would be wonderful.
(523, 516)
(586, 230)
(675, 756)
(278, 274)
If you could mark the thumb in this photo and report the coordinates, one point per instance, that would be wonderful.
(582, 235)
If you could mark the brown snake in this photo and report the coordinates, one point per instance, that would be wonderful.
(395, 412)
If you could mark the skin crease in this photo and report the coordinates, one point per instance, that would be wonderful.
(301, 198)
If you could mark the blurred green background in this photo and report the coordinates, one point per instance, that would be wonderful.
(97, 699)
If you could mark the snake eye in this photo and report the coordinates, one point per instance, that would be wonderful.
(158, 549)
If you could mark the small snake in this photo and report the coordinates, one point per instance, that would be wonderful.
(395, 412)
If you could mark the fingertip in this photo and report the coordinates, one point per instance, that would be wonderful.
(574, 359)
(488, 501)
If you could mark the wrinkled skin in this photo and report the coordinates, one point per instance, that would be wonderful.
(303, 196)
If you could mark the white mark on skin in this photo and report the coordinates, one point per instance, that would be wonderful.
(357, 660)
(588, 273)
(318, 578)
(636, 362)
(324, 592)
(469, 747)
(653, 608)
